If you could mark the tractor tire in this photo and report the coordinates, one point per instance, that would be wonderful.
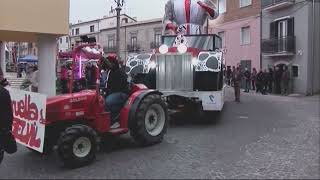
(77, 146)
(151, 121)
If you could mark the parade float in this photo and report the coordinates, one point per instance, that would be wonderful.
(188, 67)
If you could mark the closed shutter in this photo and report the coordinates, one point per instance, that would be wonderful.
(273, 30)
(291, 27)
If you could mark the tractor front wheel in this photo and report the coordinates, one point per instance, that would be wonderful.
(150, 124)
(77, 146)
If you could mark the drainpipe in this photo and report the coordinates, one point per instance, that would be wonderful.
(313, 46)
(261, 38)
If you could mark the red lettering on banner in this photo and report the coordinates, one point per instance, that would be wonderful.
(26, 133)
(26, 109)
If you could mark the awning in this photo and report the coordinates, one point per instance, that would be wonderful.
(28, 59)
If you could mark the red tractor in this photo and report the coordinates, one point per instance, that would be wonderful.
(76, 122)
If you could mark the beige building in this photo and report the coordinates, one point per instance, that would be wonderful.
(43, 26)
(136, 37)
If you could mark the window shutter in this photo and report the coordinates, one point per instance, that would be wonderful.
(272, 30)
(291, 27)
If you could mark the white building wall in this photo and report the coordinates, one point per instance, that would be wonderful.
(63, 43)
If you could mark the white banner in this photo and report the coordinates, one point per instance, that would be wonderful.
(29, 112)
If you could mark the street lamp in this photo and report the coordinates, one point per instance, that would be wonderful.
(118, 9)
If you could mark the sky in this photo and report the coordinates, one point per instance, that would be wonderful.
(86, 10)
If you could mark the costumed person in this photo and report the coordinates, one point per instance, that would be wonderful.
(247, 77)
(117, 89)
(7, 141)
(236, 78)
(188, 16)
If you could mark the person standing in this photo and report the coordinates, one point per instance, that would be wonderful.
(259, 82)
(285, 78)
(64, 79)
(253, 78)
(236, 79)
(270, 80)
(277, 80)
(265, 81)
(228, 75)
(247, 78)
(7, 141)
(232, 73)
(34, 79)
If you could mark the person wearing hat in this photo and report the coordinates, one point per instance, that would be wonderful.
(7, 141)
(117, 89)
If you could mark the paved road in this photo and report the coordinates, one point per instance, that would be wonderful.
(262, 137)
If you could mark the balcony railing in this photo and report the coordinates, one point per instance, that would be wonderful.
(109, 49)
(154, 45)
(284, 46)
(133, 48)
(275, 4)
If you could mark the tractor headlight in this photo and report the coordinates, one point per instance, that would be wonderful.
(163, 49)
(194, 61)
(182, 48)
(152, 65)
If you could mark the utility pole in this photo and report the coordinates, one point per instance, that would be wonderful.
(118, 9)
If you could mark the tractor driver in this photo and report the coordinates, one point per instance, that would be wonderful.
(117, 89)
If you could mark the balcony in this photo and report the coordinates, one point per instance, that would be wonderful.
(285, 46)
(133, 48)
(109, 49)
(154, 45)
(272, 5)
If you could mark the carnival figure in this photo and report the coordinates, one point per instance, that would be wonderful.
(188, 16)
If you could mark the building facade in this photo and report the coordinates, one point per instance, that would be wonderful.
(290, 37)
(239, 27)
(90, 29)
(135, 36)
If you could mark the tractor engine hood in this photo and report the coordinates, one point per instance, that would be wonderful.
(76, 102)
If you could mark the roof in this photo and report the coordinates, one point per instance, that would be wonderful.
(95, 20)
(157, 20)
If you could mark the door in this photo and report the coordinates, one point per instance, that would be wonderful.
(243, 65)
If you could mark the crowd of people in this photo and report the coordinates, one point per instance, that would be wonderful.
(275, 80)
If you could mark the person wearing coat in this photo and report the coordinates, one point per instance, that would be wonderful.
(236, 79)
(7, 141)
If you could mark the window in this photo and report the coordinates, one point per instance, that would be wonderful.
(111, 44)
(244, 3)
(67, 39)
(222, 35)
(77, 31)
(92, 28)
(60, 39)
(245, 36)
(295, 71)
(157, 39)
(134, 43)
(282, 28)
(72, 32)
(222, 6)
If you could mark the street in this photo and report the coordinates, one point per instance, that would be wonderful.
(262, 137)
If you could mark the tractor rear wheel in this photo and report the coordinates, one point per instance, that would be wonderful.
(151, 121)
(77, 146)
